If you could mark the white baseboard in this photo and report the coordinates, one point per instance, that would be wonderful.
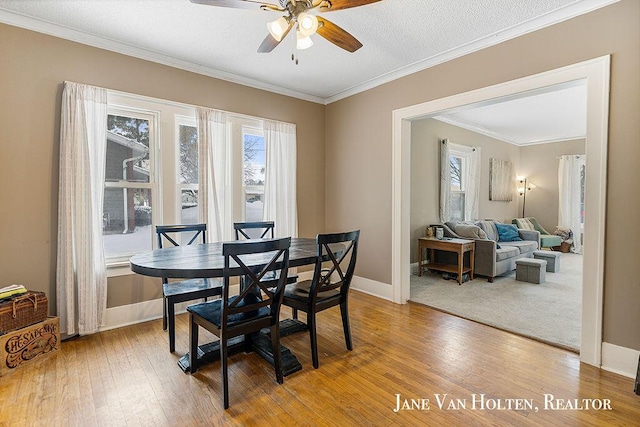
(372, 287)
(620, 360)
(125, 315)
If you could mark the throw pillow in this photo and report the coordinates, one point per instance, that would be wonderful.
(525, 224)
(470, 231)
(489, 228)
(507, 233)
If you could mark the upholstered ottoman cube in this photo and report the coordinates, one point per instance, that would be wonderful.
(531, 270)
(552, 258)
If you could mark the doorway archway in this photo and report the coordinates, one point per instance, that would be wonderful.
(596, 74)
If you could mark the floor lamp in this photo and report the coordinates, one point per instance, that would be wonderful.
(522, 190)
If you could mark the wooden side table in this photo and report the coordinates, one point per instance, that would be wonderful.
(459, 246)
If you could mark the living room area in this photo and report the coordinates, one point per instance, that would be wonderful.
(521, 173)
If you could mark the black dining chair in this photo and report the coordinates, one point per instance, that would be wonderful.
(185, 290)
(258, 230)
(254, 230)
(329, 286)
(257, 306)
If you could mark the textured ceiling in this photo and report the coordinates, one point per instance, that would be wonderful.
(399, 37)
(557, 114)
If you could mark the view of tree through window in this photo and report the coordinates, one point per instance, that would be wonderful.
(188, 143)
(254, 175)
(456, 165)
(127, 198)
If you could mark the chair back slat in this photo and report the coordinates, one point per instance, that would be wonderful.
(255, 293)
(164, 232)
(265, 230)
(339, 272)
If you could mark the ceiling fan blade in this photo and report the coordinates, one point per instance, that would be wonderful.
(239, 4)
(329, 5)
(337, 35)
(269, 43)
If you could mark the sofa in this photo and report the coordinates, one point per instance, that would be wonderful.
(547, 240)
(493, 255)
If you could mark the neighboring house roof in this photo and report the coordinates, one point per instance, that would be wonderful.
(137, 147)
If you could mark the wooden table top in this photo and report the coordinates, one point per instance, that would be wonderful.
(447, 240)
(206, 260)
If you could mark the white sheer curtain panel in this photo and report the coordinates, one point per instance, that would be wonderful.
(81, 277)
(472, 184)
(569, 185)
(280, 202)
(215, 194)
(445, 182)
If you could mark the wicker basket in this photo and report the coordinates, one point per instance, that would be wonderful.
(22, 311)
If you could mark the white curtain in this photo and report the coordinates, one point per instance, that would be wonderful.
(81, 277)
(280, 203)
(215, 192)
(472, 185)
(445, 182)
(569, 185)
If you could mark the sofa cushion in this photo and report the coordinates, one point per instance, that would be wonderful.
(470, 231)
(523, 246)
(507, 233)
(489, 228)
(506, 252)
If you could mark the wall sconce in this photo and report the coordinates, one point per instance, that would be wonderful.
(522, 190)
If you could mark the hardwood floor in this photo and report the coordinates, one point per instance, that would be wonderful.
(128, 377)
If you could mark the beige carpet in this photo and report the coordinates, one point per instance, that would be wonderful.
(549, 312)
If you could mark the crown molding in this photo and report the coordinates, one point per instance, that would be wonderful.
(495, 135)
(55, 30)
(546, 20)
(551, 18)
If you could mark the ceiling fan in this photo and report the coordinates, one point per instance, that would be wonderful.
(297, 12)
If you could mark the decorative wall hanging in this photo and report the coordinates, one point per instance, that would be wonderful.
(501, 180)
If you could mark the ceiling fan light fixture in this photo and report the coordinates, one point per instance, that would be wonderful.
(307, 24)
(278, 27)
(303, 42)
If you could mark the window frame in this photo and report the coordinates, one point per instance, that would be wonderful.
(462, 152)
(164, 159)
(181, 120)
(249, 129)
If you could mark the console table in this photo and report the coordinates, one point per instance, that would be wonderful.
(458, 246)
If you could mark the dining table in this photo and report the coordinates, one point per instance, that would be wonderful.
(206, 261)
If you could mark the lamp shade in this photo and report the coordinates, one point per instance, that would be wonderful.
(307, 24)
(303, 42)
(278, 27)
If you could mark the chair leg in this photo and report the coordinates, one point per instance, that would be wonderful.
(275, 348)
(225, 377)
(294, 312)
(171, 318)
(193, 345)
(344, 310)
(311, 324)
(164, 313)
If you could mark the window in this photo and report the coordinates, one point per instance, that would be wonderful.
(188, 171)
(254, 167)
(151, 173)
(129, 182)
(457, 163)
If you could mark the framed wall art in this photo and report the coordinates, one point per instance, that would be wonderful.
(501, 180)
